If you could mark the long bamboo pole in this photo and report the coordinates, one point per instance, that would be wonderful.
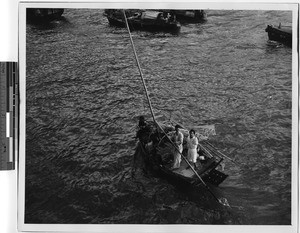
(140, 70)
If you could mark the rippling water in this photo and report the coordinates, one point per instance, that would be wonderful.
(84, 96)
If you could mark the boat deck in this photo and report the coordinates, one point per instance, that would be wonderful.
(186, 171)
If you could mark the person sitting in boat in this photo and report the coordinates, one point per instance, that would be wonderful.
(192, 144)
(177, 139)
(172, 18)
(168, 16)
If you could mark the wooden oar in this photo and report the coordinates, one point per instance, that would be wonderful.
(230, 159)
(208, 151)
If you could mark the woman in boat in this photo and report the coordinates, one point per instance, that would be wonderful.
(192, 144)
(178, 141)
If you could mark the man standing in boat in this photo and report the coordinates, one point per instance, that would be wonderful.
(178, 141)
(192, 144)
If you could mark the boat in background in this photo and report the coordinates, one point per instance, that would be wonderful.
(149, 20)
(281, 34)
(189, 16)
(44, 14)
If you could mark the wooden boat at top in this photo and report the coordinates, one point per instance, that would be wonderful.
(43, 14)
(157, 149)
(281, 34)
(143, 20)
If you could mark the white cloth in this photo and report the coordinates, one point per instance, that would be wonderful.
(192, 144)
(178, 140)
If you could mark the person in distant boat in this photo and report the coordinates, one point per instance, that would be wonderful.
(172, 18)
(177, 139)
(192, 144)
(168, 17)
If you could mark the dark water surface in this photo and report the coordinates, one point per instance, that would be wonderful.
(84, 96)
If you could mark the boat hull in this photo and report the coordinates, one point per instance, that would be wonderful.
(147, 25)
(212, 176)
(141, 26)
(44, 14)
(190, 16)
(280, 34)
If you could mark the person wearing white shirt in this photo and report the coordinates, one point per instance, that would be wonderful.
(178, 141)
(192, 144)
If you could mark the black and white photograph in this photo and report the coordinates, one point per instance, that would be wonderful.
(158, 115)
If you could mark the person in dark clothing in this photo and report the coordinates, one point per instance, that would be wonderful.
(142, 122)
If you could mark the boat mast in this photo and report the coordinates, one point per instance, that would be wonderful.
(140, 70)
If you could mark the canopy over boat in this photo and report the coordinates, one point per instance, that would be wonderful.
(151, 15)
